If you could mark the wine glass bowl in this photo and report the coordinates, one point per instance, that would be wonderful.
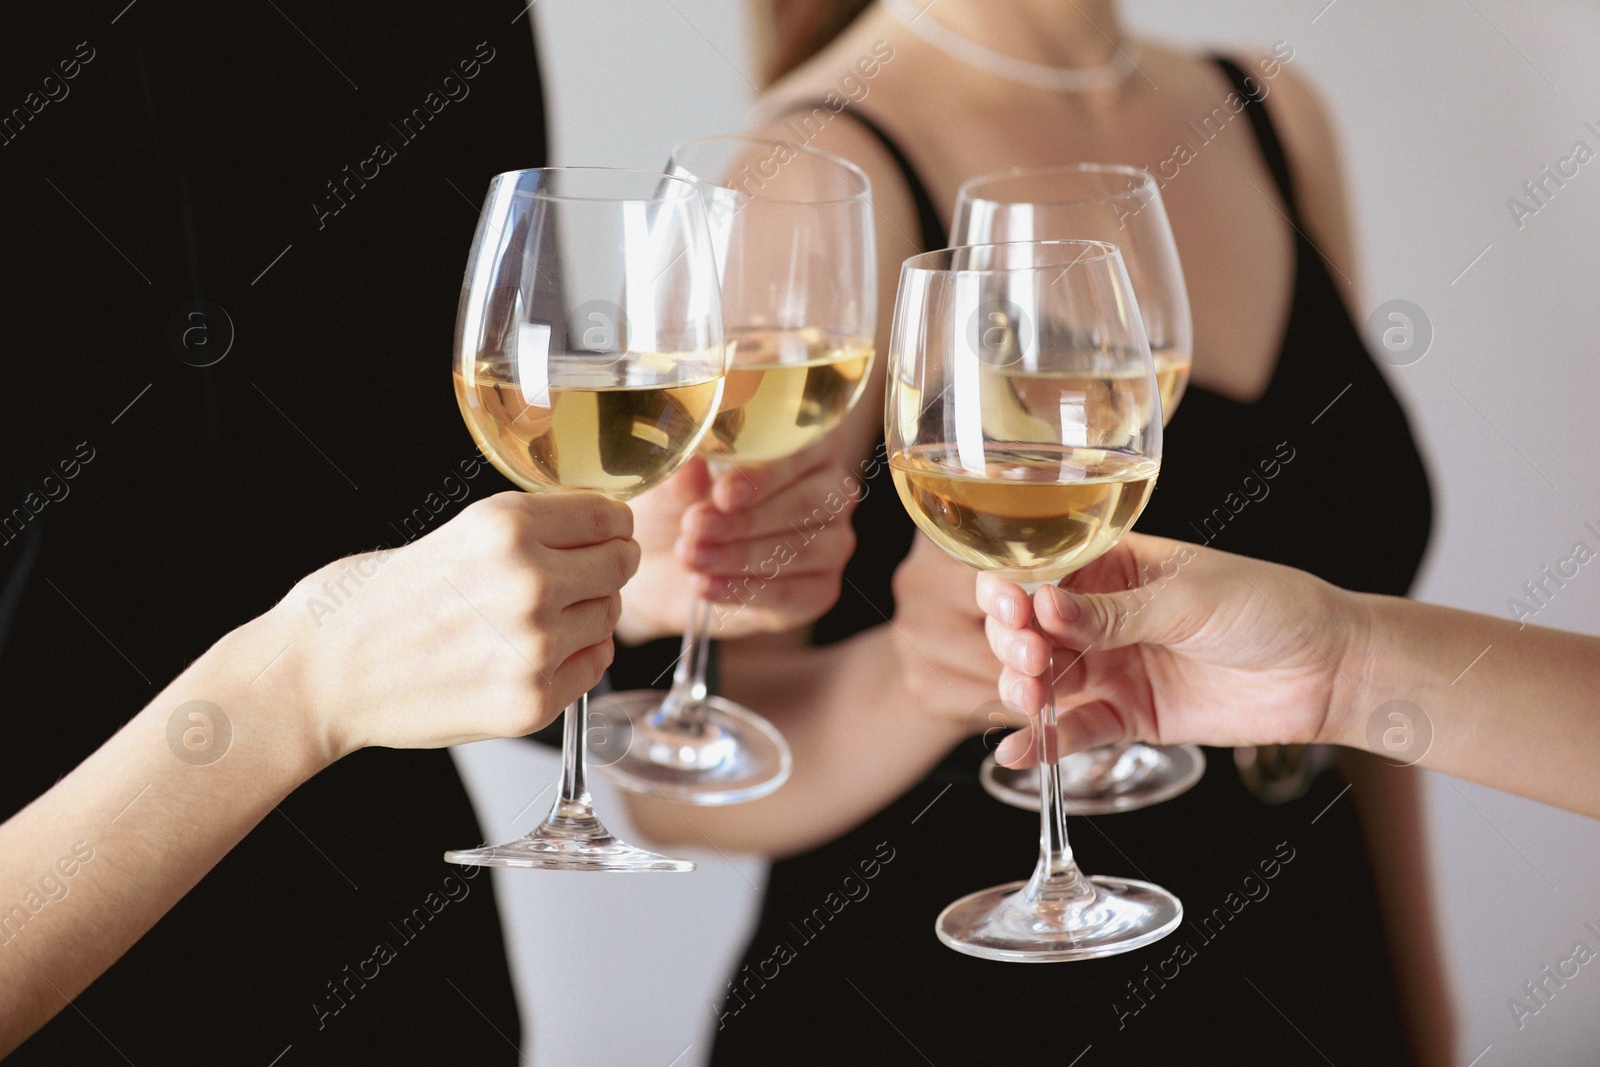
(1100, 202)
(793, 232)
(589, 356)
(1024, 436)
(1122, 205)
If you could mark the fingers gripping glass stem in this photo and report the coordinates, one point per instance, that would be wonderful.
(1058, 914)
(599, 369)
(1024, 436)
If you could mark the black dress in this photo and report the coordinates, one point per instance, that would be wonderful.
(180, 157)
(1281, 958)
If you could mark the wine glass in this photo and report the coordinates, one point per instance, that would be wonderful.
(1024, 435)
(589, 355)
(1102, 202)
(794, 236)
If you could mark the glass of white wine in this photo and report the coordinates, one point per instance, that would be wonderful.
(589, 355)
(1100, 202)
(1024, 434)
(795, 246)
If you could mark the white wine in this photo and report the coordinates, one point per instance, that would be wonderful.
(1172, 378)
(585, 430)
(1034, 513)
(1045, 407)
(785, 390)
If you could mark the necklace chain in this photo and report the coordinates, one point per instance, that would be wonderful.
(1038, 75)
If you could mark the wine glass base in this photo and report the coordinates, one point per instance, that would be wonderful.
(1105, 780)
(999, 924)
(733, 756)
(548, 850)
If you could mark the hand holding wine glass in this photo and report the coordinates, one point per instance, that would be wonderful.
(589, 355)
(941, 644)
(1120, 204)
(1178, 649)
(1024, 437)
(750, 542)
(794, 234)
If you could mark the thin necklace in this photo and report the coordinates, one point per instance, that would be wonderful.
(1038, 75)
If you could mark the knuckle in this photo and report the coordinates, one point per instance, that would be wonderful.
(633, 555)
(621, 516)
(532, 588)
(539, 648)
(621, 562)
(734, 525)
(597, 658)
(592, 521)
(1114, 618)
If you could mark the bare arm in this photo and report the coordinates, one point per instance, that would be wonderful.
(1513, 707)
(485, 628)
(866, 719)
(1387, 799)
(827, 701)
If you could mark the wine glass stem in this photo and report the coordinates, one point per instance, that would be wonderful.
(1057, 879)
(681, 707)
(573, 812)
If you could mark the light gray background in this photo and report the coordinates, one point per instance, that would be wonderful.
(1446, 108)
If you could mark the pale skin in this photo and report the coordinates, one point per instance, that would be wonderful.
(720, 535)
(837, 705)
(487, 627)
(1217, 649)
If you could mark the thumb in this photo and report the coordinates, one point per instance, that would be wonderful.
(1078, 729)
(1144, 615)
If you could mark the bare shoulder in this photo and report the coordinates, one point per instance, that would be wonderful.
(1311, 140)
(811, 107)
(1303, 119)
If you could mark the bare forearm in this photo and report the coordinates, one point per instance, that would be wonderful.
(1516, 708)
(857, 739)
(90, 866)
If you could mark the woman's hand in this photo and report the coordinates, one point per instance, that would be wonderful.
(1168, 642)
(946, 666)
(487, 627)
(766, 546)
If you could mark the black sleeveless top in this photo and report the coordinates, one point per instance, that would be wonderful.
(1281, 958)
(228, 154)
